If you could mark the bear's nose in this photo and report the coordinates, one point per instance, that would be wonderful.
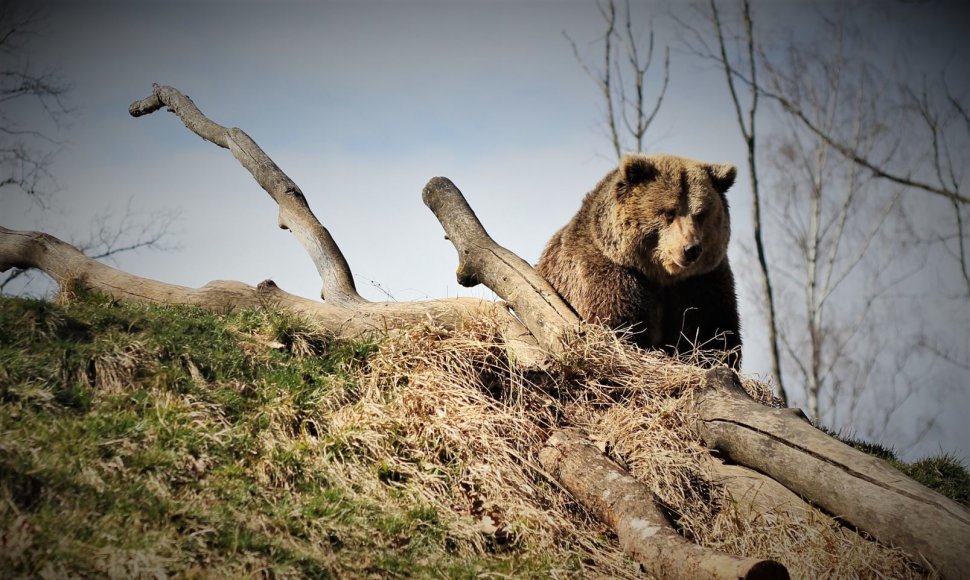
(692, 252)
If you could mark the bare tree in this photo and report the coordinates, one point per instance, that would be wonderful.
(622, 78)
(27, 152)
(829, 212)
(931, 162)
(857, 153)
(731, 54)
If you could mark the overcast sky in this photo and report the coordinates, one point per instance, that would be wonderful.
(361, 103)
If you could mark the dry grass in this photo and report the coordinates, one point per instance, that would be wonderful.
(473, 421)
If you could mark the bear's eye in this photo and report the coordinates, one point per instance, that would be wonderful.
(669, 215)
(699, 216)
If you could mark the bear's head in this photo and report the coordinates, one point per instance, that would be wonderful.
(667, 216)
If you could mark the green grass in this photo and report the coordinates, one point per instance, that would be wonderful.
(140, 441)
(941, 473)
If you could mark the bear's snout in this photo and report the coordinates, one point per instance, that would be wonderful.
(692, 252)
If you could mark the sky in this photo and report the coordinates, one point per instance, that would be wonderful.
(360, 103)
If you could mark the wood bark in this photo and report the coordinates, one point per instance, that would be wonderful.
(860, 490)
(344, 311)
(66, 264)
(294, 212)
(754, 495)
(629, 508)
(482, 261)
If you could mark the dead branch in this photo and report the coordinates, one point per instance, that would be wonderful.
(294, 215)
(482, 261)
(629, 508)
(859, 489)
(67, 265)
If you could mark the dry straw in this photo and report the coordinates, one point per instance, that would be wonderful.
(460, 428)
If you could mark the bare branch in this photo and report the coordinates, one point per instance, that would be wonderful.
(943, 162)
(855, 156)
(603, 79)
(27, 171)
(24, 156)
(294, 215)
(482, 261)
(131, 232)
(624, 112)
(11, 275)
(747, 128)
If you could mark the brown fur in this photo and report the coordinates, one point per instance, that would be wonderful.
(625, 258)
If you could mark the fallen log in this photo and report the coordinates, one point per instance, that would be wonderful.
(629, 508)
(860, 490)
(350, 320)
(345, 310)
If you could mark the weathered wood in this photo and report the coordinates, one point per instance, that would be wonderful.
(344, 308)
(858, 489)
(66, 264)
(629, 508)
(754, 495)
(482, 261)
(294, 212)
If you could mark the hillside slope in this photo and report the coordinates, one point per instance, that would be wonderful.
(145, 442)
(152, 442)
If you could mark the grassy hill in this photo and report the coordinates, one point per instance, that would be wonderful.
(151, 442)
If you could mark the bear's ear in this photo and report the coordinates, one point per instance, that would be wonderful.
(722, 176)
(637, 169)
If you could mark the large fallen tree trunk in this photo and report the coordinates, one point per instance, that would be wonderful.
(863, 492)
(350, 319)
(859, 489)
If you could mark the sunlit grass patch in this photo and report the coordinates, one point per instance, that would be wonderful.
(140, 441)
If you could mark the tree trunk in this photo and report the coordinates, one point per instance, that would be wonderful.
(349, 320)
(861, 490)
(628, 507)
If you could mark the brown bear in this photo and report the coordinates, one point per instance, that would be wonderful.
(647, 252)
